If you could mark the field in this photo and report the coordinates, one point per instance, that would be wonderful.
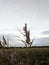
(24, 56)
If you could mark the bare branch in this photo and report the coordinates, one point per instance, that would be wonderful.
(20, 37)
(20, 31)
(23, 42)
(32, 41)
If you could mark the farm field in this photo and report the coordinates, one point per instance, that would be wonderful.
(24, 56)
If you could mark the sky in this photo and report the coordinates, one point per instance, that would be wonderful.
(15, 13)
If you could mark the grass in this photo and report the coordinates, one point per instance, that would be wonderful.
(24, 56)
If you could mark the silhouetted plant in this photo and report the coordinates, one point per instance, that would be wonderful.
(0, 44)
(26, 35)
(4, 42)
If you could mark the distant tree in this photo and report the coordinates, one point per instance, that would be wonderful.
(26, 35)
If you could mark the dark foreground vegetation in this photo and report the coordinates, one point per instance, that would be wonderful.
(24, 56)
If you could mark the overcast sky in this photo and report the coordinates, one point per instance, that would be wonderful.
(15, 13)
